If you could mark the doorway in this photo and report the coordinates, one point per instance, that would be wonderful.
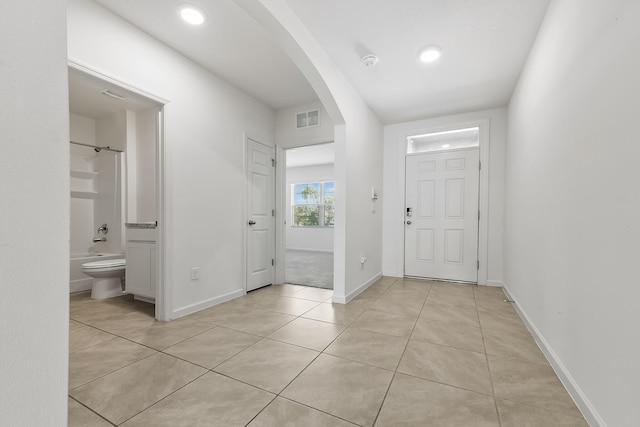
(442, 206)
(309, 215)
(116, 181)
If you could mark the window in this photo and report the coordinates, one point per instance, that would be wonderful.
(312, 204)
(441, 141)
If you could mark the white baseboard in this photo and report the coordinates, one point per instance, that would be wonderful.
(80, 285)
(581, 400)
(192, 308)
(495, 283)
(357, 291)
(392, 274)
(327, 251)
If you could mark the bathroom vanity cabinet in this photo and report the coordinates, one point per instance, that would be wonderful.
(140, 276)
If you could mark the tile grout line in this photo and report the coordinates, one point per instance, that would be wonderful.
(85, 406)
(165, 397)
(486, 356)
(323, 351)
(395, 371)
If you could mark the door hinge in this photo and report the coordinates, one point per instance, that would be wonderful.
(478, 265)
(478, 215)
(273, 163)
(273, 212)
(479, 166)
(273, 261)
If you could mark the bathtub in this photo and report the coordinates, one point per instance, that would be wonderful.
(78, 281)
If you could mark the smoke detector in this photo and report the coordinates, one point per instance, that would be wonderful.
(369, 60)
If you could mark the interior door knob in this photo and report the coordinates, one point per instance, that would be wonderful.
(252, 222)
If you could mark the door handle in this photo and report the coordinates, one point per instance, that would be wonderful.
(252, 222)
(408, 222)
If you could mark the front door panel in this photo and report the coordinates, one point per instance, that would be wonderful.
(441, 215)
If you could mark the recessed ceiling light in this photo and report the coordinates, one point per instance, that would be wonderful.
(191, 14)
(430, 53)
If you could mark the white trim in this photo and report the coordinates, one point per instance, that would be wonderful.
(201, 305)
(358, 291)
(328, 251)
(392, 274)
(495, 283)
(86, 69)
(80, 285)
(280, 201)
(164, 294)
(245, 209)
(579, 397)
(484, 124)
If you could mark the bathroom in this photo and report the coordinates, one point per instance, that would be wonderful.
(113, 139)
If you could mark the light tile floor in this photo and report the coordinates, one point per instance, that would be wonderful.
(403, 353)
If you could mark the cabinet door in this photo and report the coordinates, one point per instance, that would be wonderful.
(140, 271)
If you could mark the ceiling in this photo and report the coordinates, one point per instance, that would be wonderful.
(230, 43)
(86, 99)
(485, 44)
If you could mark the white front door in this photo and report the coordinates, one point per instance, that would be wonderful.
(441, 215)
(260, 224)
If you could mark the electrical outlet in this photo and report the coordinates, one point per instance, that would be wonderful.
(195, 273)
(363, 259)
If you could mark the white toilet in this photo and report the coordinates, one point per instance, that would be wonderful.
(107, 277)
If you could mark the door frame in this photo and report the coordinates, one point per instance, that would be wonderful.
(483, 191)
(163, 301)
(245, 207)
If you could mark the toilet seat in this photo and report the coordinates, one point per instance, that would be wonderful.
(113, 264)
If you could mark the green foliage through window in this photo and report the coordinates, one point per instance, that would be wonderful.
(313, 204)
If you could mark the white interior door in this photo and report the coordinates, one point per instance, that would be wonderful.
(441, 215)
(260, 224)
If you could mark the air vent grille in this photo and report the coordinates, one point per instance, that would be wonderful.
(307, 119)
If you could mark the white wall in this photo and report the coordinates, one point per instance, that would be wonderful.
(34, 212)
(358, 143)
(393, 190)
(307, 238)
(359, 169)
(204, 123)
(146, 165)
(287, 135)
(572, 207)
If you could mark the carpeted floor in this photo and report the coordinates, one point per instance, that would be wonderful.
(310, 268)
